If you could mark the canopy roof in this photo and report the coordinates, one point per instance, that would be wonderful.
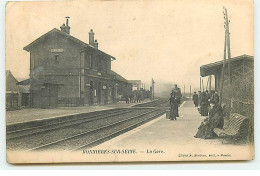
(213, 68)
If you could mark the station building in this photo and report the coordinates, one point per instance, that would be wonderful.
(65, 71)
(16, 96)
(12, 91)
(137, 84)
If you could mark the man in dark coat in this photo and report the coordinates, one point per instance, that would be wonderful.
(215, 97)
(176, 92)
(126, 99)
(173, 105)
(204, 104)
(195, 99)
(199, 97)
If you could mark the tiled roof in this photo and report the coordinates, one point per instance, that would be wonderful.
(87, 46)
(118, 77)
(10, 82)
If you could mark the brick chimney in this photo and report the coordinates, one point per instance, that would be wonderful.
(91, 38)
(96, 44)
(66, 28)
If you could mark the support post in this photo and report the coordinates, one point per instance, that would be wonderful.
(184, 91)
(210, 83)
(153, 89)
(207, 84)
(228, 47)
(200, 83)
(222, 73)
(190, 92)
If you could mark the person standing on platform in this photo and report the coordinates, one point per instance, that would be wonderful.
(215, 97)
(199, 97)
(204, 104)
(207, 95)
(135, 96)
(126, 99)
(173, 112)
(131, 97)
(176, 92)
(195, 99)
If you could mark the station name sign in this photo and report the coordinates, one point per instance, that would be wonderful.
(58, 50)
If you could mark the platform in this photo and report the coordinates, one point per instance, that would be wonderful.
(175, 139)
(25, 115)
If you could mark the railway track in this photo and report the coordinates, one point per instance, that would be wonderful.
(116, 133)
(38, 123)
(15, 134)
(98, 135)
(156, 103)
(82, 131)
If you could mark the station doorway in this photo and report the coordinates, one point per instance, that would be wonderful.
(91, 89)
(106, 94)
(99, 89)
(113, 94)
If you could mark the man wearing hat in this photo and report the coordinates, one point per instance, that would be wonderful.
(176, 92)
(195, 99)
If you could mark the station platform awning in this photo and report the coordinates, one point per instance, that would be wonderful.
(216, 67)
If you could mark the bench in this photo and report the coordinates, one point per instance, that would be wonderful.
(237, 127)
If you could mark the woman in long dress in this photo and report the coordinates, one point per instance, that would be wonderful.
(215, 120)
(174, 106)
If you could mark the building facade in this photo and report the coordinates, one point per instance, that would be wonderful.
(65, 71)
(11, 92)
(137, 84)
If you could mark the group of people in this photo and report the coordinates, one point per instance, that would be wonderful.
(175, 102)
(134, 97)
(208, 105)
(202, 100)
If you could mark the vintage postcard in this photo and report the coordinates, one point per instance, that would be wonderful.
(129, 81)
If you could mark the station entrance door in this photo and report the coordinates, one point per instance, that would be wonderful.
(99, 89)
(91, 89)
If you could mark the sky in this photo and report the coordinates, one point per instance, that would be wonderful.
(167, 40)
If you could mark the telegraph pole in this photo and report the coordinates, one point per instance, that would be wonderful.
(226, 52)
(153, 89)
(200, 83)
(184, 91)
(190, 91)
(226, 25)
(209, 83)
(223, 72)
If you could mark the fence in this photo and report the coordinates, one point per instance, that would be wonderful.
(11, 101)
(239, 98)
